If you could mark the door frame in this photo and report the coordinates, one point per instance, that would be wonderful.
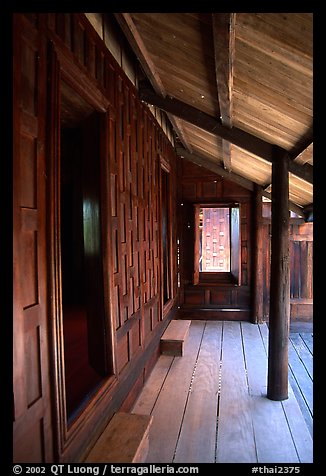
(70, 438)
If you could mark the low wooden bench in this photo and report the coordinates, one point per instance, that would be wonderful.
(174, 337)
(124, 440)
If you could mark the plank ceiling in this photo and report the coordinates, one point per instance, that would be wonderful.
(233, 85)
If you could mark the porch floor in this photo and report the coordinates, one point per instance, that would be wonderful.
(210, 405)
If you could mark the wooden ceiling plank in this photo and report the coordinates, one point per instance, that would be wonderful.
(224, 42)
(283, 38)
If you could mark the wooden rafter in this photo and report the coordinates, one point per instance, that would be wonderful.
(305, 154)
(224, 41)
(177, 124)
(236, 136)
(130, 30)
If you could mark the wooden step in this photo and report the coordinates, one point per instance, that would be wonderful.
(124, 440)
(173, 339)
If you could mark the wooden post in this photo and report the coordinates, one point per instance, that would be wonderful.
(279, 311)
(258, 289)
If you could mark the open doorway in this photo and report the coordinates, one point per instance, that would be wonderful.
(82, 289)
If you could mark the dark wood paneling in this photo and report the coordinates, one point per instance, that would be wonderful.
(194, 296)
(135, 221)
(220, 297)
(32, 405)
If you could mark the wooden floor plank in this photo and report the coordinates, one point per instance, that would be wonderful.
(263, 329)
(301, 376)
(293, 381)
(255, 357)
(269, 419)
(301, 435)
(235, 436)
(303, 352)
(301, 401)
(308, 339)
(250, 428)
(146, 401)
(295, 413)
(272, 434)
(170, 404)
(197, 438)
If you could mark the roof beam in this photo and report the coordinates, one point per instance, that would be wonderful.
(224, 41)
(305, 154)
(209, 123)
(236, 136)
(129, 29)
(177, 124)
(304, 171)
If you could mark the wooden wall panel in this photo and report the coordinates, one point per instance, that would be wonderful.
(33, 365)
(32, 405)
(221, 297)
(29, 260)
(301, 262)
(28, 166)
(301, 269)
(136, 144)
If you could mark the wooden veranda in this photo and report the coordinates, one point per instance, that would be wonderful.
(210, 405)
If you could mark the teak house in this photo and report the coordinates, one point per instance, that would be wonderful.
(162, 171)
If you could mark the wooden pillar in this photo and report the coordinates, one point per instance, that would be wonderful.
(258, 284)
(279, 311)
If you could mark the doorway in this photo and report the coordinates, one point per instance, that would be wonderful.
(82, 287)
